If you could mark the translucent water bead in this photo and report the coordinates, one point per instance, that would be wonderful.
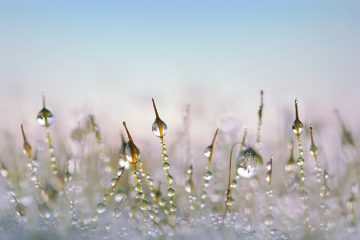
(100, 208)
(45, 118)
(132, 153)
(208, 151)
(249, 162)
(26, 147)
(159, 128)
(297, 126)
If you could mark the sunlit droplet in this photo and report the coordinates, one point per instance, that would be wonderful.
(144, 205)
(20, 209)
(117, 212)
(208, 150)
(300, 161)
(171, 192)
(45, 118)
(166, 166)
(101, 208)
(159, 128)
(249, 162)
(229, 201)
(119, 196)
(189, 186)
(208, 176)
(44, 211)
(297, 126)
(132, 152)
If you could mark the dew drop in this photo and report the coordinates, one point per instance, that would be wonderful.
(45, 118)
(100, 208)
(123, 163)
(132, 152)
(300, 161)
(249, 162)
(297, 127)
(27, 150)
(159, 128)
(119, 196)
(313, 150)
(208, 150)
(233, 183)
(290, 165)
(171, 192)
(117, 212)
(113, 182)
(189, 186)
(20, 209)
(229, 201)
(172, 208)
(170, 179)
(166, 166)
(4, 172)
(144, 205)
(208, 176)
(268, 177)
(246, 171)
(120, 171)
(44, 211)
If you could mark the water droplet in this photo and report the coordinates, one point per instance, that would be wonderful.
(143, 205)
(189, 186)
(44, 211)
(297, 127)
(123, 163)
(208, 176)
(20, 209)
(132, 152)
(117, 212)
(27, 150)
(249, 161)
(246, 171)
(313, 150)
(45, 118)
(170, 179)
(101, 208)
(268, 177)
(120, 171)
(113, 182)
(162, 202)
(172, 208)
(290, 165)
(119, 196)
(208, 150)
(171, 192)
(4, 172)
(229, 201)
(166, 166)
(300, 161)
(159, 128)
(233, 184)
(138, 187)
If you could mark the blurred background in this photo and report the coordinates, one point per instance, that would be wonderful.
(110, 57)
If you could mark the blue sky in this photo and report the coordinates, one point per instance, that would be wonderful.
(110, 56)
